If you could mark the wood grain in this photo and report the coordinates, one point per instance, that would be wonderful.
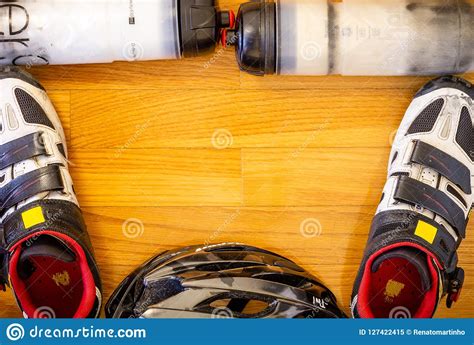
(143, 177)
(199, 152)
(333, 255)
(313, 176)
(291, 118)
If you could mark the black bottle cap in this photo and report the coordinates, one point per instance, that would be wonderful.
(254, 37)
(200, 24)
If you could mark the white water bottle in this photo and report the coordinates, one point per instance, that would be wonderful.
(98, 31)
(355, 37)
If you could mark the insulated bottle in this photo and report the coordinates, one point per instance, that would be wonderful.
(355, 37)
(99, 31)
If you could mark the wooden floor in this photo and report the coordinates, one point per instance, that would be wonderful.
(172, 153)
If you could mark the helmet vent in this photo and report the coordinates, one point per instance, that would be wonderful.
(244, 307)
(238, 304)
(223, 266)
(287, 279)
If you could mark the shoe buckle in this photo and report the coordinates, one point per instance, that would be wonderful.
(455, 284)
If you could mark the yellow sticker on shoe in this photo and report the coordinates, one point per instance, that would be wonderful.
(426, 231)
(33, 217)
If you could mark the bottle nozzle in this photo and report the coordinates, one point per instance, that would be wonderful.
(226, 19)
(229, 37)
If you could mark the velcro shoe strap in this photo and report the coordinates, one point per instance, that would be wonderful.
(444, 164)
(397, 226)
(420, 194)
(45, 215)
(20, 149)
(41, 180)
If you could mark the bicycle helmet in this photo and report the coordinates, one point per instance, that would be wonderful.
(222, 280)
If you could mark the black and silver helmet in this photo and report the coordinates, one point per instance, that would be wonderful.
(223, 280)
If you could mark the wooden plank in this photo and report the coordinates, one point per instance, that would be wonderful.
(138, 177)
(208, 72)
(333, 254)
(297, 119)
(310, 177)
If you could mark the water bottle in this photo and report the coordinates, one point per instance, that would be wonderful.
(355, 37)
(99, 31)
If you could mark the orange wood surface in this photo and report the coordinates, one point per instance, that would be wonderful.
(196, 151)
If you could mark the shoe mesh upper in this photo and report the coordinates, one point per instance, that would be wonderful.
(465, 133)
(32, 112)
(427, 118)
